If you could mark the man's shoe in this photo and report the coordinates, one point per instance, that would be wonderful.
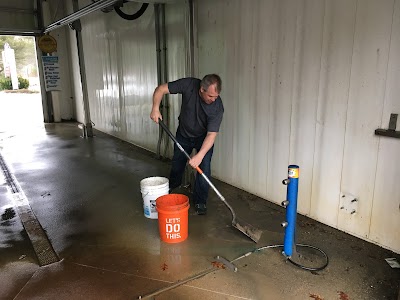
(201, 209)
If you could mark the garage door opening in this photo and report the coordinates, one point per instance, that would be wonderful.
(20, 97)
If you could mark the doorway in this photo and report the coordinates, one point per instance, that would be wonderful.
(20, 95)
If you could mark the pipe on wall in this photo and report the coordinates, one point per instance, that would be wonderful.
(76, 25)
(190, 173)
(134, 16)
(162, 73)
(158, 57)
(165, 68)
(191, 45)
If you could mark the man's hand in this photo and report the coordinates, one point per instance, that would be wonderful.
(196, 160)
(159, 92)
(207, 144)
(155, 115)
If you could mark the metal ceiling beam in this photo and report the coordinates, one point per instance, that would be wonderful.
(80, 13)
(22, 32)
(17, 10)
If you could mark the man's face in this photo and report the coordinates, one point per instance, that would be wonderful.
(210, 95)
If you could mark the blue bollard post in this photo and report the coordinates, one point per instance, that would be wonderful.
(291, 210)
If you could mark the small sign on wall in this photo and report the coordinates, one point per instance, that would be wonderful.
(47, 43)
(51, 70)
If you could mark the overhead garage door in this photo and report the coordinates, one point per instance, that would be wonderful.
(19, 17)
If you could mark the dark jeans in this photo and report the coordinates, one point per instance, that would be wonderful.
(179, 161)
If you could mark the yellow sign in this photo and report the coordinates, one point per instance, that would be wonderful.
(47, 43)
(294, 173)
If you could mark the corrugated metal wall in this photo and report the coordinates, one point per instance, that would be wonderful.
(120, 57)
(307, 82)
(304, 82)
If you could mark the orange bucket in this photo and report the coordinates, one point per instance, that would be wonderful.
(173, 217)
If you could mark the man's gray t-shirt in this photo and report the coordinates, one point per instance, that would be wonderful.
(196, 117)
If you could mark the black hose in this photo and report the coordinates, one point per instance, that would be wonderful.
(309, 268)
(136, 15)
(293, 262)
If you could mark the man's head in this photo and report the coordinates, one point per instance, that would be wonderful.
(210, 87)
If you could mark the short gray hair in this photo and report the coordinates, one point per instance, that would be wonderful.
(211, 79)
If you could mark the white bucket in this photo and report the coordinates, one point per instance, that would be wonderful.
(152, 188)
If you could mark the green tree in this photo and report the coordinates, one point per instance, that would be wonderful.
(24, 49)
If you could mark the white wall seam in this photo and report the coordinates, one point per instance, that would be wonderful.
(366, 98)
(280, 114)
(252, 88)
(382, 112)
(347, 106)
(269, 99)
(295, 78)
(316, 110)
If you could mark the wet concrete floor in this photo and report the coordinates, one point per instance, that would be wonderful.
(86, 195)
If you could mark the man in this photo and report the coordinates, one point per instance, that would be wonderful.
(199, 122)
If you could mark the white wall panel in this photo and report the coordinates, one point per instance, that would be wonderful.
(304, 83)
(307, 66)
(120, 59)
(263, 51)
(385, 220)
(364, 112)
(121, 71)
(280, 109)
(244, 92)
(339, 23)
(252, 109)
(224, 64)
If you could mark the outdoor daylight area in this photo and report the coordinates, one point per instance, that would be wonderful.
(20, 98)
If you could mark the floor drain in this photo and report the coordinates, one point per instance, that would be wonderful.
(41, 244)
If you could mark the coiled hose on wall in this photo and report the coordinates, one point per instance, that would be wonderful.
(134, 16)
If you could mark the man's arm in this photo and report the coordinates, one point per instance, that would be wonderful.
(158, 94)
(207, 144)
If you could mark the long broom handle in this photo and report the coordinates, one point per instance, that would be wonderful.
(200, 171)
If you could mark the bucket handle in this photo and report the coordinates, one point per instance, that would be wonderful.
(149, 192)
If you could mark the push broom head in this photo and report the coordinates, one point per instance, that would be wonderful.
(247, 229)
